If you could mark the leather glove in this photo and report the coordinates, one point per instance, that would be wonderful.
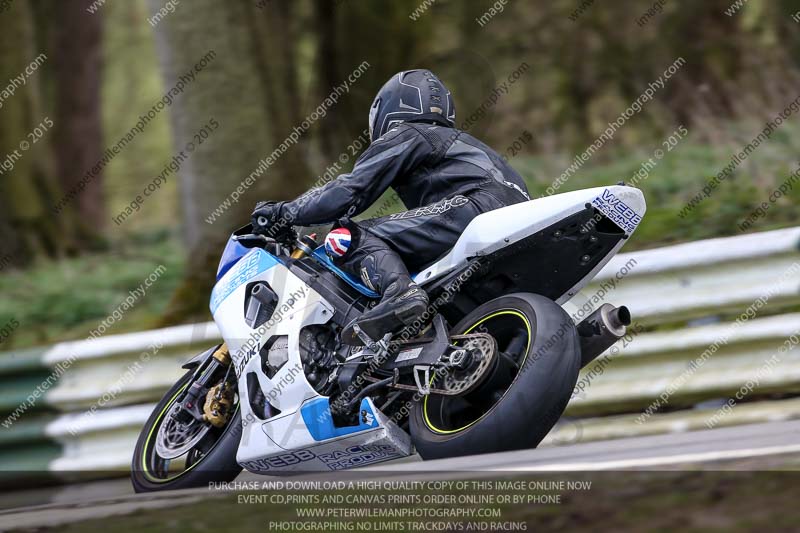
(264, 215)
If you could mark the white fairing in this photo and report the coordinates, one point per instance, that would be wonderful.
(298, 433)
(496, 229)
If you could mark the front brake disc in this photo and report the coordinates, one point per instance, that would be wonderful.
(175, 439)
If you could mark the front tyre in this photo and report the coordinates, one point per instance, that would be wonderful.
(532, 380)
(213, 458)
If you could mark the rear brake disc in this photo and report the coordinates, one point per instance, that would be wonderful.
(466, 373)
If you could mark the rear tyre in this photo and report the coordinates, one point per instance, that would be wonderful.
(150, 472)
(528, 390)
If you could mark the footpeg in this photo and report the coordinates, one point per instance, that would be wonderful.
(380, 348)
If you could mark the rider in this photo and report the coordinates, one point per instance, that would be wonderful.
(444, 176)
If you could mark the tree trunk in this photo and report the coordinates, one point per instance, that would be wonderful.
(28, 229)
(332, 133)
(78, 131)
(254, 118)
(349, 33)
(275, 34)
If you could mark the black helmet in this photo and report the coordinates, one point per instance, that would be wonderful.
(411, 95)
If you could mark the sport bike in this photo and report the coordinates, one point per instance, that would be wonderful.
(489, 367)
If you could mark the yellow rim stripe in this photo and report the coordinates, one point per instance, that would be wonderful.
(150, 436)
(481, 321)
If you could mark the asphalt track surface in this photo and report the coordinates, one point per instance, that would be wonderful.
(709, 449)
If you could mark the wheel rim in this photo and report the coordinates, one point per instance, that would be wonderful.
(446, 415)
(156, 468)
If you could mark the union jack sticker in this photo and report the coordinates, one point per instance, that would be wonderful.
(337, 242)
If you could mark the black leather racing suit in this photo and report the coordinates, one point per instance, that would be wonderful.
(444, 176)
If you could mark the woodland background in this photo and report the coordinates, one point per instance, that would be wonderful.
(275, 61)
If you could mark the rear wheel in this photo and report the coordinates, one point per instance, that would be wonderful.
(171, 456)
(524, 394)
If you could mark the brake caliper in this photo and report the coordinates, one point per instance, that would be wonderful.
(219, 401)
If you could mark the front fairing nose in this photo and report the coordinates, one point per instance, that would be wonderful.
(232, 253)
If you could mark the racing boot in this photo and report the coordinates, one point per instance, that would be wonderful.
(402, 303)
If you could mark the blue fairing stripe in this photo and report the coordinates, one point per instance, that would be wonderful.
(319, 421)
(252, 264)
(323, 258)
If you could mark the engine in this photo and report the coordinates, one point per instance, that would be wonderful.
(318, 353)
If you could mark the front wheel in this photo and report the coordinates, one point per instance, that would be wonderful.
(533, 376)
(197, 453)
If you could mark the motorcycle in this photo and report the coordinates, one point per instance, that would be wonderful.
(489, 367)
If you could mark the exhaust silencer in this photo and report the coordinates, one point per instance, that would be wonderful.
(598, 331)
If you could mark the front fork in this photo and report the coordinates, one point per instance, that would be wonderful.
(195, 404)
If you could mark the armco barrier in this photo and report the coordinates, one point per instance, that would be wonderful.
(696, 279)
(672, 285)
(57, 431)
